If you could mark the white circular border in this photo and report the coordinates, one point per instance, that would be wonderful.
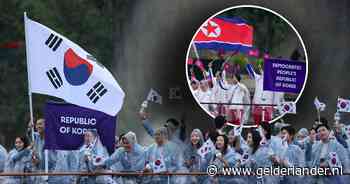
(262, 8)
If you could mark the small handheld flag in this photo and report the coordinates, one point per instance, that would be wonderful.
(238, 130)
(153, 96)
(320, 106)
(200, 65)
(343, 105)
(245, 157)
(287, 107)
(144, 105)
(333, 160)
(347, 131)
(207, 147)
(159, 166)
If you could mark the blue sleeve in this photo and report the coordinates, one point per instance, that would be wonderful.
(114, 158)
(140, 163)
(344, 157)
(308, 151)
(147, 125)
(341, 140)
(73, 161)
(20, 154)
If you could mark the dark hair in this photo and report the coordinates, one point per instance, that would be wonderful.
(268, 128)
(295, 54)
(238, 77)
(225, 143)
(212, 135)
(173, 121)
(193, 82)
(323, 120)
(289, 129)
(121, 136)
(256, 140)
(312, 129)
(25, 141)
(322, 125)
(219, 121)
(245, 132)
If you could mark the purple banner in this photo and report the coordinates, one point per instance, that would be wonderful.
(66, 123)
(284, 75)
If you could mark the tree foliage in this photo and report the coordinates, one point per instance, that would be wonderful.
(88, 23)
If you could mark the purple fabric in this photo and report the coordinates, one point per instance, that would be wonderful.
(66, 123)
(284, 75)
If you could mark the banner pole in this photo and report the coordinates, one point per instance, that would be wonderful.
(28, 72)
(263, 114)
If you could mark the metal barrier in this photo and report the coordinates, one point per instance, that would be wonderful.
(113, 174)
(215, 103)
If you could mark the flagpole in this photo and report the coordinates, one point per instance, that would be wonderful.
(319, 116)
(195, 51)
(30, 92)
(29, 83)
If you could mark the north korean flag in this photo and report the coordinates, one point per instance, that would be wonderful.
(230, 34)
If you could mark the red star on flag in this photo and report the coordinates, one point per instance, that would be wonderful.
(211, 29)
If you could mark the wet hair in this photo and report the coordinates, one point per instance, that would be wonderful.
(256, 140)
(173, 121)
(268, 128)
(322, 125)
(289, 129)
(219, 121)
(224, 151)
(25, 141)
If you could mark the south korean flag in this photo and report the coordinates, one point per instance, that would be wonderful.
(207, 147)
(61, 68)
(343, 105)
(159, 165)
(153, 96)
(287, 108)
(98, 160)
(333, 160)
(245, 158)
(347, 131)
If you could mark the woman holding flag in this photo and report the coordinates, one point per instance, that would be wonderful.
(193, 161)
(91, 156)
(224, 157)
(259, 156)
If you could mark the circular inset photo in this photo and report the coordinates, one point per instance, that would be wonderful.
(248, 64)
